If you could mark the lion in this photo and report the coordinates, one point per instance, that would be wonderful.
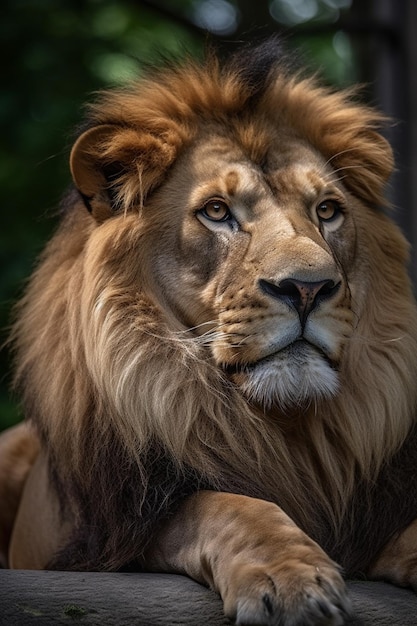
(217, 350)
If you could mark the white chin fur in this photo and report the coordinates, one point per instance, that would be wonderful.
(293, 378)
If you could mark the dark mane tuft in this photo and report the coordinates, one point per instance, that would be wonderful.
(257, 64)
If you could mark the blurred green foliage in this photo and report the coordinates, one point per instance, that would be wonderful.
(55, 53)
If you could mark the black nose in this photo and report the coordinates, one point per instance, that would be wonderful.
(302, 296)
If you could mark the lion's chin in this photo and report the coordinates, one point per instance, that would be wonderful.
(289, 379)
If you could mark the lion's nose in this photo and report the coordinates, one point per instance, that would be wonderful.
(301, 295)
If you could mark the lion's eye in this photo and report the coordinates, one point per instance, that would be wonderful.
(216, 211)
(328, 210)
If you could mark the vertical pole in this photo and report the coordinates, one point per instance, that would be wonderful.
(411, 82)
(387, 56)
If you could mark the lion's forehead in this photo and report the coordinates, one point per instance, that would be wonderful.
(222, 168)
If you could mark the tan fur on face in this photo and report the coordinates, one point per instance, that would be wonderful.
(138, 308)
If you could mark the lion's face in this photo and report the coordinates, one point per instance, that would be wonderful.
(257, 262)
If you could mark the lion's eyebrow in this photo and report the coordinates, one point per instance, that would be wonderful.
(232, 181)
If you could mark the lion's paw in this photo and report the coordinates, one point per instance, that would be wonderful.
(290, 594)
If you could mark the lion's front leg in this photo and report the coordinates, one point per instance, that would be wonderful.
(265, 568)
(397, 562)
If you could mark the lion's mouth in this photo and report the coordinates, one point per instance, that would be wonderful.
(289, 378)
(294, 351)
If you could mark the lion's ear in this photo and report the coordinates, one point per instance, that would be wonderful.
(115, 167)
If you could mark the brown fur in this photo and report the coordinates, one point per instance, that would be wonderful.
(137, 334)
(19, 448)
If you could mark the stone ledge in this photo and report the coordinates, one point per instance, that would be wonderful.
(53, 598)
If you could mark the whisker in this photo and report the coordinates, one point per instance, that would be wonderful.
(342, 169)
(338, 154)
(375, 342)
(336, 180)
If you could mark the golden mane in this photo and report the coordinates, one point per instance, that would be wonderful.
(121, 391)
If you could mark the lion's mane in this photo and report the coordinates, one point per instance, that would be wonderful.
(133, 412)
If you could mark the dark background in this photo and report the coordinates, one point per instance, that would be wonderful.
(55, 53)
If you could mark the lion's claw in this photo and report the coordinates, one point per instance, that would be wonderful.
(275, 599)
